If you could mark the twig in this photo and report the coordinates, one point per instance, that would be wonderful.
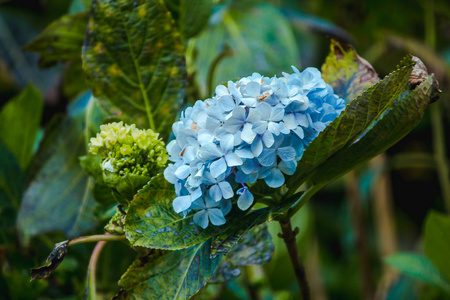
(96, 238)
(226, 52)
(92, 268)
(356, 213)
(296, 260)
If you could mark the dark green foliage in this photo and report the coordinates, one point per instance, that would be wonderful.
(61, 40)
(133, 57)
(351, 123)
(19, 125)
(191, 16)
(437, 242)
(175, 275)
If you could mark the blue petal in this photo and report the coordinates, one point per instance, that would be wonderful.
(215, 192)
(227, 190)
(268, 139)
(216, 216)
(245, 200)
(201, 219)
(257, 147)
(267, 157)
(248, 135)
(210, 151)
(253, 89)
(182, 172)
(260, 127)
(181, 203)
(233, 160)
(226, 103)
(275, 178)
(286, 153)
(287, 167)
(218, 167)
(225, 206)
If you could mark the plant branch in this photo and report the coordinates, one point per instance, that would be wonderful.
(92, 268)
(436, 116)
(296, 260)
(359, 226)
(96, 238)
(226, 51)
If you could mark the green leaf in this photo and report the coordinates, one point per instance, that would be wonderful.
(191, 16)
(418, 267)
(399, 120)
(152, 222)
(92, 165)
(19, 124)
(61, 40)
(176, 275)
(134, 58)
(351, 123)
(59, 197)
(12, 184)
(437, 241)
(255, 247)
(130, 184)
(247, 32)
(348, 73)
(235, 231)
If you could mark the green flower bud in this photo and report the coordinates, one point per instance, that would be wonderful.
(126, 149)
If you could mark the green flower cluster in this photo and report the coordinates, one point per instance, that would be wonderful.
(126, 149)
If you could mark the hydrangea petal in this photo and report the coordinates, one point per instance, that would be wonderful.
(201, 219)
(216, 216)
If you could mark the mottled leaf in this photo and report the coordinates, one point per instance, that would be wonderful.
(176, 275)
(59, 195)
(254, 248)
(352, 122)
(152, 222)
(19, 124)
(61, 40)
(234, 232)
(248, 32)
(437, 241)
(133, 57)
(348, 73)
(418, 267)
(399, 120)
(130, 184)
(191, 16)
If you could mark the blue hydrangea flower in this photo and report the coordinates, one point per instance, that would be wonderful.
(255, 128)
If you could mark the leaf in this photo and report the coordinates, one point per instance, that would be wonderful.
(61, 40)
(348, 73)
(247, 32)
(152, 222)
(437, 241)
(399, 120)
(254, 248)
(19, 125)
(191, 15)
(133, 57)
(59, 196)
(234, 232)
(351, 123)
(130, 184)
(176, 275)
(418, 267)
(12, 184)
(55, 258)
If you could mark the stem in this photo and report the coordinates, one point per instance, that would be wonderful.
(436, 115)
(92, 267)
(303, 199)
(296, 260)
(96, 238)
(357, 218)
(226, 51)
(249, 281)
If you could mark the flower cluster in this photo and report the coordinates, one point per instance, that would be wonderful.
(126, 149)
(255, 128)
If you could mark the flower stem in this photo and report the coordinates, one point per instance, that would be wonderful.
(436, 115)
(96, 238)
(92, 267)
(296, 260)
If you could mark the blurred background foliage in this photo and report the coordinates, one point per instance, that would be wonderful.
(353, 234)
